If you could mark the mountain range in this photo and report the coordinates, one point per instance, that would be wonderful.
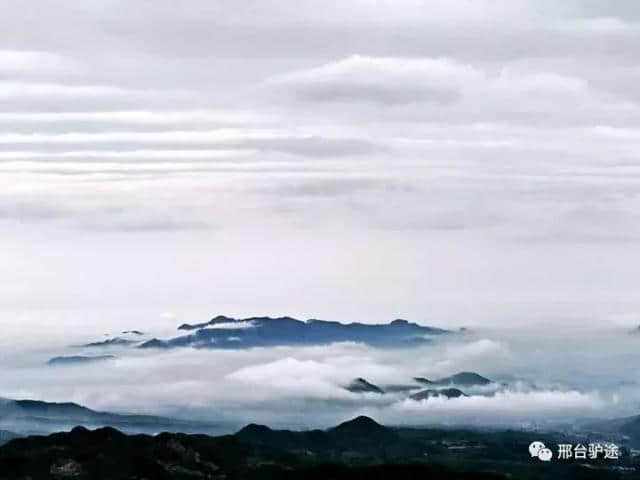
(232, 333)
(78, 359)
(461, 379)
(111, 342)
(357, 449)
(35, 416)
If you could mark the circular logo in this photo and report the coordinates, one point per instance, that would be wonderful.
(545, 454)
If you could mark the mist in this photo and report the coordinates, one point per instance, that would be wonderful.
(540, 379)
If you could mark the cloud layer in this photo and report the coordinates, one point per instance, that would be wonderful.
(304, 386)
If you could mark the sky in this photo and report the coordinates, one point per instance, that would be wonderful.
(452, 163)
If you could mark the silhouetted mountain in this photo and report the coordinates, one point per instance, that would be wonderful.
(267, 331)
(111, 342)
(315, 440)
(360, 385)
(34, 416)
(132, 332)
(256, 433)
(362, 434)
(355, 450)
(108, 454)
(445, 392)
(78, 359)
(464, 379)
(155, 343)
(44, 409)
(363, 426)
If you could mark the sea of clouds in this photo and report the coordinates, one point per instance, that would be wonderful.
(538, 382)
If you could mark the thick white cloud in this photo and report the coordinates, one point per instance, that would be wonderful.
(504, 408)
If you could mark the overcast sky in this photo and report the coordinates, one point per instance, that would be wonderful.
(448, 162)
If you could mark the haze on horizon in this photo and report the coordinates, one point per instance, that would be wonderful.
(453, 164)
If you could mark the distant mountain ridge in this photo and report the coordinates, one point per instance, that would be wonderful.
(214, 321)
(434, 387)
(78, 359)
(35, 416)
(232, 333)
(111, 342)
(360, 385)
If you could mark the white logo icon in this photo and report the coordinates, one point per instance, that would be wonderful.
(538, 449)
(545, 455)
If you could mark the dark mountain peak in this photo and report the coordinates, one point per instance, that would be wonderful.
(361, 426)
(78, 359)
(254, 429)
(154, 343)
(400, 321)
(80, 433)
(360, 385)
(261, 434)
(466, 379)
(423, 380)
